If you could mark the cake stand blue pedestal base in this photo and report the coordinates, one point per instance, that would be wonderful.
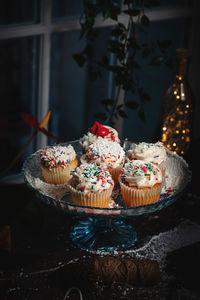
(103, 234)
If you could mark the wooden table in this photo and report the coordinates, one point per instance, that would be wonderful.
(41, 248)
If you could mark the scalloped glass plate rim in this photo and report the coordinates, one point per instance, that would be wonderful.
(163, 202)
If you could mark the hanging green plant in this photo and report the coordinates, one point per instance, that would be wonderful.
(127, 46)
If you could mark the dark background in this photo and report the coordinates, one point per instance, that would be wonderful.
(40, 234)
(73, 99)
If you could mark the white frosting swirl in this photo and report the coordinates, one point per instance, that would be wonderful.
(91, 177)
(141, 174)
(102, 151)
(148, 152)
(90, 137)
(57, 156)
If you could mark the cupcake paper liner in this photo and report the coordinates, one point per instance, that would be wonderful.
(58, 175)
(94, 199)
(137, 197)
(115, 172)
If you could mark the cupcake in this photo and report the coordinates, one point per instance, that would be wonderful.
(99, 132)
(140, 183)
(57, 162)
(155, 153)
(108, 153)
(91, 185)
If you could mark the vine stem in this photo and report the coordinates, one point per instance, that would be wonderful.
(130, 22)
(114, 105)
(129, 28)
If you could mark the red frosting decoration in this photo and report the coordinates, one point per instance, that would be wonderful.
(99, 130)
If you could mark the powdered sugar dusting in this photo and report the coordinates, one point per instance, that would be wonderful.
(56, 191)
(105, 147)
(177, 177)
(159, 246)
(53, 156)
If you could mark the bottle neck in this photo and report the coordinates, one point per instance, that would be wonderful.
(181, 68)
(181, 62)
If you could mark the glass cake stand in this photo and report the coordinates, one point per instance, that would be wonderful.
(105, 229)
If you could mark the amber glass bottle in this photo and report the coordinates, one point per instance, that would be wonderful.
(177, 108)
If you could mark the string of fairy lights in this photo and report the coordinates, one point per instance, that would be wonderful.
(176, 127)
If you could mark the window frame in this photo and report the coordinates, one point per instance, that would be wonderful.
(46, 27)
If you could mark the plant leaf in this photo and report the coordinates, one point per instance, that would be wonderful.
(93, 73)
(89, 50)
(133, 64)
(150, 3)
(145, 21)
(115, 69)
(79, 58)
(122, 114)
(120, 106)
(132, 104)
(117, 31)
(156, 60)
(132, 12)
(128, 2)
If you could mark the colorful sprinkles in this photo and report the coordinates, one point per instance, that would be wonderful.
(141, 173)
(105, 151)
(57, 156)
(91, 177)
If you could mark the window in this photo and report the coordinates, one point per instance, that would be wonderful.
(37, 40)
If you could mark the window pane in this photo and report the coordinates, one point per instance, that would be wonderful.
(172, 3)
(66, 9)
(155, 81)
(19, 11)
(18, 93)
(74, 99)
